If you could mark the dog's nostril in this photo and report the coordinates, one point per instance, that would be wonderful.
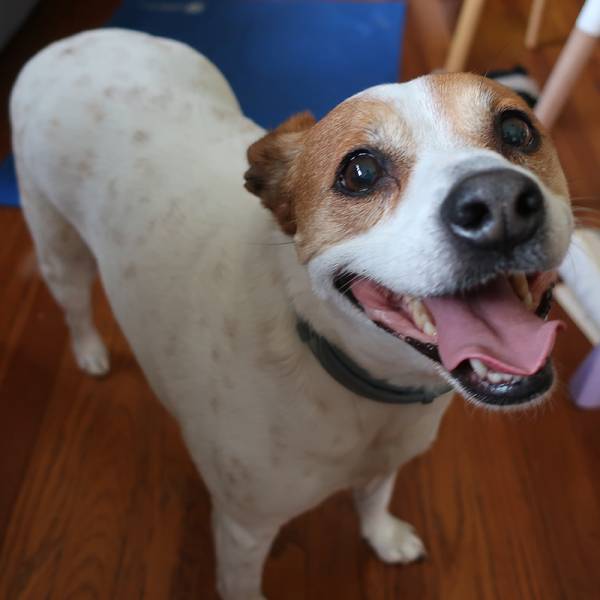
(472, 215)
(496, 209)
(529, 203)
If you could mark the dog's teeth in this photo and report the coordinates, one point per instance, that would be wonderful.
(479, 367)
(521, 287)
(495, 377)
(429, 329)
(421, 317)
(486, 373)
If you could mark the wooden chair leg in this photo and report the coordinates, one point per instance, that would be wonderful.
(462, 39)
(532, 35)
(570, 63)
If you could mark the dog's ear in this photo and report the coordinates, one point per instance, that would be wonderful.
(271, 162)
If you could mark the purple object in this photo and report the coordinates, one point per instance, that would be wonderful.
(585, 384)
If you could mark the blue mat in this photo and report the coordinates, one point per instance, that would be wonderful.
(279, 56)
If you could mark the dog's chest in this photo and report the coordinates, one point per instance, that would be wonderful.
(360, 439)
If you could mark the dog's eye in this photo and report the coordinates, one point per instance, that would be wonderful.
(517, 132)
(359, 173)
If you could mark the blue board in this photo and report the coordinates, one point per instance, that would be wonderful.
(280, 57)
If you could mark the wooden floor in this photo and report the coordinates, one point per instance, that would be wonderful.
(99, 500)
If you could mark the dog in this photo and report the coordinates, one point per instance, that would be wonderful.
(403, 247)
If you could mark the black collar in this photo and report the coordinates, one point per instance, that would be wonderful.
(354, 378)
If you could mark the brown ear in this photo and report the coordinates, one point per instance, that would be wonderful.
(271, 159)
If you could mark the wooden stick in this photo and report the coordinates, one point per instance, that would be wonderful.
(534, 24)
(570, 63)
(460, 46)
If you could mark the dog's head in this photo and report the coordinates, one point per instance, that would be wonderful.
(434, 211)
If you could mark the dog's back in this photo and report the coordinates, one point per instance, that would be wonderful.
(130, 109)
(136, 145)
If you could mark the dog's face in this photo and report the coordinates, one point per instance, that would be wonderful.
(436, 210)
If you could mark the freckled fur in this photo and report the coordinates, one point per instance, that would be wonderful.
(206, 282)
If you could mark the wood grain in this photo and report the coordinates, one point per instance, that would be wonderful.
(99, 500)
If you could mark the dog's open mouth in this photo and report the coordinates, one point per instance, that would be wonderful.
(493, 340)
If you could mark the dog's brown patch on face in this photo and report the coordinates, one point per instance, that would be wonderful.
(299, 183)
(463, 102)
(470, 104)
(272, 160)
(295, 168)
(326, 215)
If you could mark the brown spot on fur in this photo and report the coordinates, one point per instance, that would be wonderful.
(117, 237)
(230, 327)
(171, 345)
(65, 236)
(322, 406)
(215, 354)
(140, 136)
(97, 112)
(130, 271)
(84, 167)
(218, 271)
(221, 114)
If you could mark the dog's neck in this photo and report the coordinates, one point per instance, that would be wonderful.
(378, 353)
(354, 378)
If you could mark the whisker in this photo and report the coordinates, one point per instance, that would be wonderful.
(586, 209)
(291, 243)
(348, 284)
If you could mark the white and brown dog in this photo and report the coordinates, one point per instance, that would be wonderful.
(406, 248)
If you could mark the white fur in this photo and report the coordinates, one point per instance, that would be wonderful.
(130, 153)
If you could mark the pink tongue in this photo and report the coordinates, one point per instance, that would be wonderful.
(494, 326)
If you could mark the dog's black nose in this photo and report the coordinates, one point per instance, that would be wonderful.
(496, 209)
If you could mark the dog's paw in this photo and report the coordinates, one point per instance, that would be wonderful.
(395, 541)
(91, 355)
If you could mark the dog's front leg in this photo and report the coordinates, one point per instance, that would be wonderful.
(393, 540)
(241, 552)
